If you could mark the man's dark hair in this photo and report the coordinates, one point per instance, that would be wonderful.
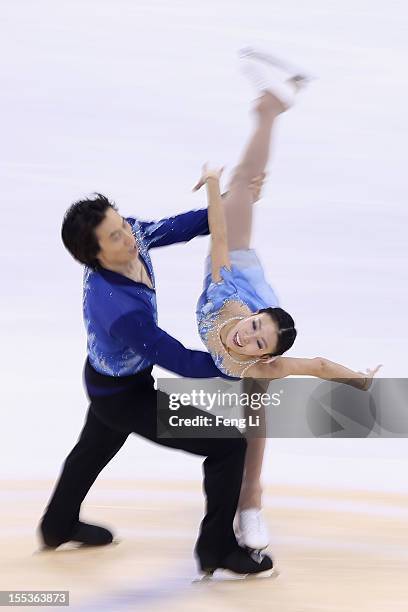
(286, 329)
(78, 228)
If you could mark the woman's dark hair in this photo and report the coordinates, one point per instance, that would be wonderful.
(286, 326)
(78, 228)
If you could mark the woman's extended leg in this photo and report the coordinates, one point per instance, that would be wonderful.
(238, 207)
(238, 203)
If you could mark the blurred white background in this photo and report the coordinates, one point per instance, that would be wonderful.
(129, 98)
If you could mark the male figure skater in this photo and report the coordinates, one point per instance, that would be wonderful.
(124, 342)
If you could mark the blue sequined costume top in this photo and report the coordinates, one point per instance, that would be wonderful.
(242, 291)
(121, 315)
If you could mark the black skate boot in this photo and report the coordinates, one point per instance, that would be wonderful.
(243, 563)
(83, 533)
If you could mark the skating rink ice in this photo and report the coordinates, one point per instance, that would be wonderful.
(130, 98)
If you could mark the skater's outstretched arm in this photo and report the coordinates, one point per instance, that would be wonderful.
(138, 330)
(318, 366)
(186, 226)
(216, 222)
(179, 228)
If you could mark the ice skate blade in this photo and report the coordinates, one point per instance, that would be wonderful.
(64, 547)
(293, 70)
(73, 546)
(224, 575)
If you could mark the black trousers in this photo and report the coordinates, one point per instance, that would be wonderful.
(108, 423)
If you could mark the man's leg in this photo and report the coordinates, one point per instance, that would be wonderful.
(223, 469)
(222, 485)
(223, 466)
(96, 446)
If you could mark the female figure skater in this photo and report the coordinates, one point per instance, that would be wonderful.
(238, 316)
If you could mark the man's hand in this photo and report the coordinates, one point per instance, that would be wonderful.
(255, 186)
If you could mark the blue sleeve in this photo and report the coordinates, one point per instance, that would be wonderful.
(160, 348)
(180, 228)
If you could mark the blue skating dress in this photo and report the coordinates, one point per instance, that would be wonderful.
(242, 291)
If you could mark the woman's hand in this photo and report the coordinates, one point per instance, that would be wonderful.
(208, 174)
(255, 186)
(369, 375)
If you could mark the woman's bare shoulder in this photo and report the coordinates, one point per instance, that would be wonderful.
(266, 370)
(286, 366)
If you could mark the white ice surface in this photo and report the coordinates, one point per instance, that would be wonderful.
(129, 98)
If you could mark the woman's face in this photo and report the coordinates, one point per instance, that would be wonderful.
(255, 336)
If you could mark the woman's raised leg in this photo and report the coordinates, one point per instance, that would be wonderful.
(238, 203)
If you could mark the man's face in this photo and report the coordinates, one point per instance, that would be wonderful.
(116, 241)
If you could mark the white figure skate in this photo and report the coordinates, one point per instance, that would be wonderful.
(291, 70)
(268, 73)
(253, 532)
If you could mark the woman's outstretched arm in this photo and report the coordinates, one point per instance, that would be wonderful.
(218, 229)
(318, 366)
(216, 222)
